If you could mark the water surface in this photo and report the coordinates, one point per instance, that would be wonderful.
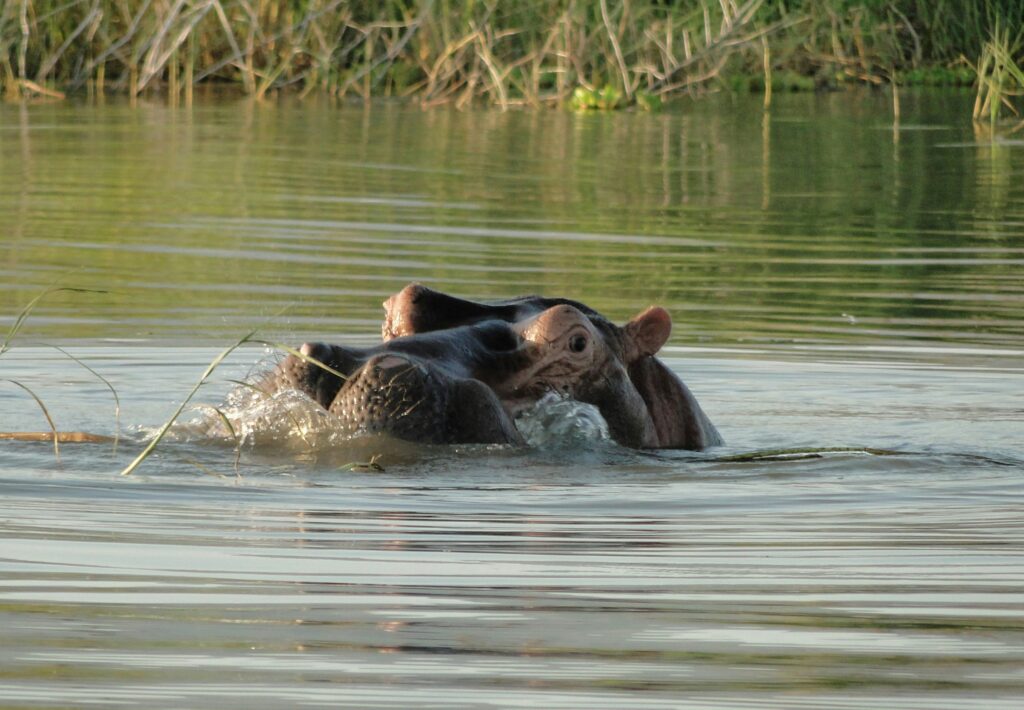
(836, 284)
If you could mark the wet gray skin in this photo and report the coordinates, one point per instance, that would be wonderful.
(426, 388)
(438, 380)
(677, 419)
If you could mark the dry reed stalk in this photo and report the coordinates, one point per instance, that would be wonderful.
(99, 63)
(247, 79)
(497, 77)
(613, 38)
(156, 60)
(389, 56)
(50, 62)
(766, 59)
(895, 97)
(734, 34)
(23, 45)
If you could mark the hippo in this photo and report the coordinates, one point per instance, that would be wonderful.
(456, 371)
(678, 420)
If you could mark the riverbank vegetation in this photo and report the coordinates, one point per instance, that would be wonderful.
(531, 52)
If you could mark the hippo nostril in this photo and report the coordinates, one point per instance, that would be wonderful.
(578, 343)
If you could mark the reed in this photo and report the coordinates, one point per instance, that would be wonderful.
(527, 53)
(441, 51)
(999, 78)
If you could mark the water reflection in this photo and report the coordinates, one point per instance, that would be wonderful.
(751, 227)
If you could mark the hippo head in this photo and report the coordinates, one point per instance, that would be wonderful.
(467, 383)
(574, 350)
(563, 351)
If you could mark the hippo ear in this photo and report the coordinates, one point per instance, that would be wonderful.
(678, 419)
(647, 333)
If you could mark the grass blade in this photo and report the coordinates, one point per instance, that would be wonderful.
(130, 468)
(20, 320)
(302, 356)
(46, 413)
(231, 430)
(104, 380)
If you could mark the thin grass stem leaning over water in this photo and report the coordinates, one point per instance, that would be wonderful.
(248, 338)
(113, 392)
(46, 413)
(20, 319)
(151, 446)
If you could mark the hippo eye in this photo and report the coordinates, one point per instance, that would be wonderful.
(578, 343)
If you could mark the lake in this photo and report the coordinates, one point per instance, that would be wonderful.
(839, 286)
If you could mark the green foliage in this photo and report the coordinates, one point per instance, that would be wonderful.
(956, 75)
(606, 99)
(782, 81)
(610, 98)
(646, 101)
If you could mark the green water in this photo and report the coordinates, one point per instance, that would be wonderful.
(834, 283)
(750, 228)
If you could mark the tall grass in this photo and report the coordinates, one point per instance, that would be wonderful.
(439, 50)
(1000, 78)
(528, 52)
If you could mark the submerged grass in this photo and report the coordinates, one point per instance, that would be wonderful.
(532, 52)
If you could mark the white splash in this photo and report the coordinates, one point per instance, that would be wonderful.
(291, 420)
(248, 417)
(555, 421)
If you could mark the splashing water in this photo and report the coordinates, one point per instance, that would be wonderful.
(291, 420)
(251, 418)
(555, 421)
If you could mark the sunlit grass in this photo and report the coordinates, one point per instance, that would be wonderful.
(1000, 78)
